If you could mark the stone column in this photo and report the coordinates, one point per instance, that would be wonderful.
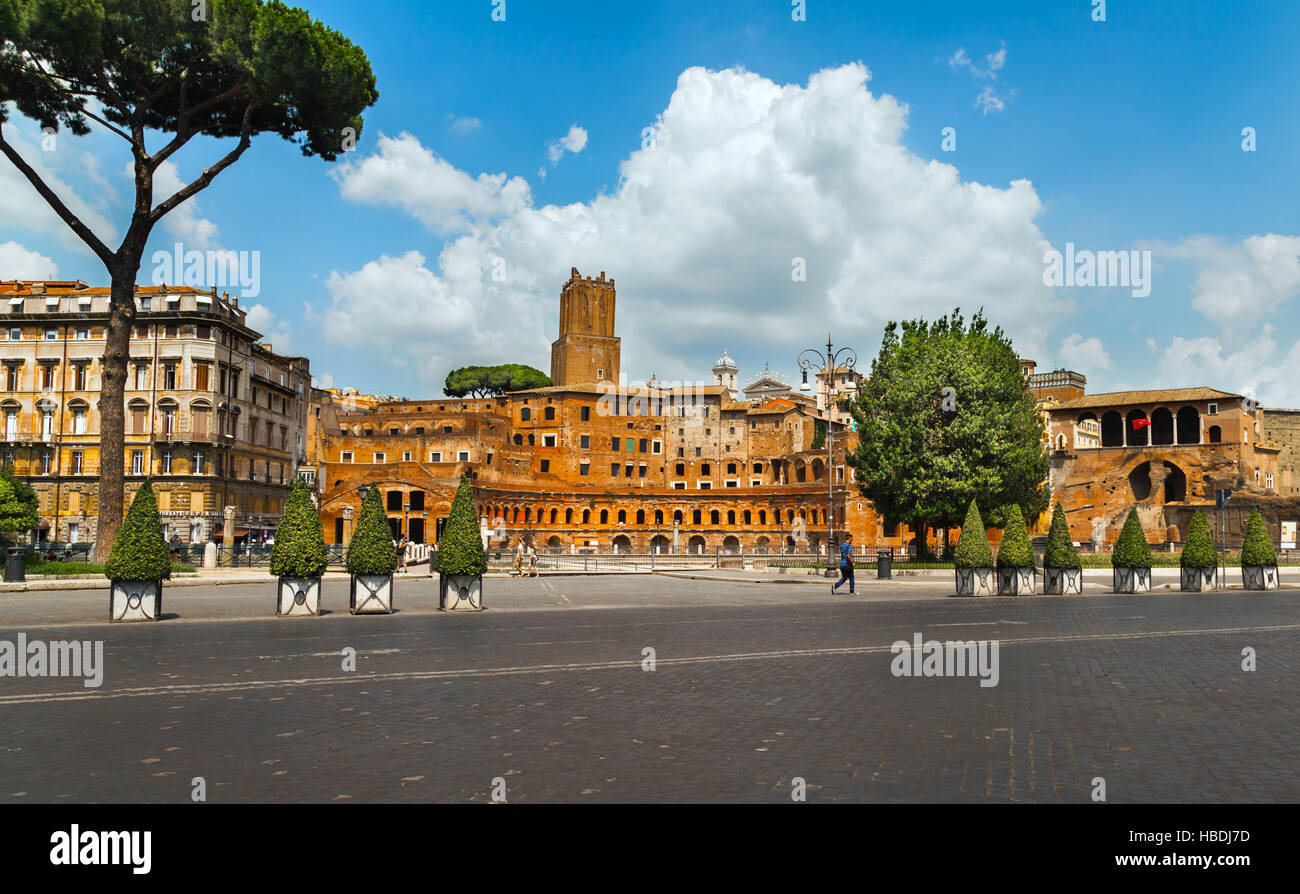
(228, 528)
(347, 524)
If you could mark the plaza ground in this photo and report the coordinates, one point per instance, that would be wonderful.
(755, 685)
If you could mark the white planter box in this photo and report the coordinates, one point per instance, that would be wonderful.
(1260, 577)
(1131, 580)
(297, 596)
(134, 600)
(976, 582)
(371, 594)
(1196, 580)
(1016, 582)
(1063, 581)
(460, 592)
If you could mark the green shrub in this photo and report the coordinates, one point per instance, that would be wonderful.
(460, 552)
(299, 549)
(18, 507)
(1257, 549)
(973, 550)
(1060, 550)
(1199, 551)
(1015, 550)
(139, 552)
(1131, 550)
(371, 549)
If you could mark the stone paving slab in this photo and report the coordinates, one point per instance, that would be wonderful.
(1145, 691)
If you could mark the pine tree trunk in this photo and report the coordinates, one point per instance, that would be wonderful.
(112, 407)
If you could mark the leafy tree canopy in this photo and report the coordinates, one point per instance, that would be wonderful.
(925, 451)
(493, 381)
(19, 509)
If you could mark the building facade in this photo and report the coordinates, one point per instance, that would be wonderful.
(213, 418)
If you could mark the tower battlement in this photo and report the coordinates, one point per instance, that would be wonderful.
(587, 349)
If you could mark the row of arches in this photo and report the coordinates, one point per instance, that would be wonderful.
(528, 515)
(1163, 427)
(697, 544)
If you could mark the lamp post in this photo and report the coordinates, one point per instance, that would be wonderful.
(826, 364)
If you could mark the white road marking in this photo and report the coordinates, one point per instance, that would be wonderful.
(463, 673)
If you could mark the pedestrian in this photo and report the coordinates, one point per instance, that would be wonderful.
(846, 565)
(401, 552)
(532, 561)
(519, 559)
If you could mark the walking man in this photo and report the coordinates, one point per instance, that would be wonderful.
(519, 559)
(846, 565)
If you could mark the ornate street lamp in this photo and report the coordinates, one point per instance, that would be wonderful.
(826, 364)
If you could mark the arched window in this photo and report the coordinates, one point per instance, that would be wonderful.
(1137, 434)
(554, 512)
(622, 516)
(568, 516)
(1216, 434)
(525, 414)
(1189, 426)
(586, 516)
(527, 514)
(201, 418)
(745, 516)
(731, 516)
(139, 417)
(1112, 429)
(677, 516)
(696, 516)
(519, 440)
(1162, 426)
(640, 516)
(713, 517)
(604, 516)
(549, 413)
(762, 516)
(659, 517)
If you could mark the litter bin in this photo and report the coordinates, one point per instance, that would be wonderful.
(884, 563)
(15, 563)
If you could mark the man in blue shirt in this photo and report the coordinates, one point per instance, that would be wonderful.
(846, 565)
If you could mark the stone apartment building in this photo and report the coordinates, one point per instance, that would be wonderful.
(214, 418)
(590, 462)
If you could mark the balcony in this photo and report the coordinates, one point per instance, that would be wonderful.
(184, 437)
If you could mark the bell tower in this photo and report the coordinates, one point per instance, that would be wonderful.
(587, 349)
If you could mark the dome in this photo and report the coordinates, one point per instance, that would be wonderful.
(725, 362)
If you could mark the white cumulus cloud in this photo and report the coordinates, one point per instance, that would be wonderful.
(574, 141)
(747, 184)
(17, 262)
(1086, 355)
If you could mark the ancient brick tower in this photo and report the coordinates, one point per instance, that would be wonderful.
(587, 349)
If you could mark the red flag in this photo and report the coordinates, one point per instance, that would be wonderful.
(1140, 423)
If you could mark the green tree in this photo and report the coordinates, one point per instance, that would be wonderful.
(1199, 551)
(19, 509)
(299, 549)
(1257, 548)
(460, 552)
(371, 549)
(819, 436)
(493, 381)
(1131, 549)
(1015, 550)
(1060, 549)
(230, 69)
(139, 552)
(947, 417)
(973, 550)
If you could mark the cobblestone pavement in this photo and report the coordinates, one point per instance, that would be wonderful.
(754, 686)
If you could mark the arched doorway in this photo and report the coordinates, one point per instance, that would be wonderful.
(622, 544)
(696, 545)
(553, 544)
(731, 545)
(1189, 426)
(659, 544)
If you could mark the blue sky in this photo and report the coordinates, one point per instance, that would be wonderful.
(1122, 135)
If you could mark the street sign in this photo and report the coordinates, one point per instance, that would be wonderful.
(1221, 497)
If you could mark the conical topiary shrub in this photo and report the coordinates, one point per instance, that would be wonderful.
(1060, 551)
(299, 549)
(1015, 551)
(1131, 561)
(1256, 548)
(973, 557)
(460, 552)
(1062, 570)
(139, 552)
(1199, 551)
(1015, 557)
(1258, 560)
(1132, 549)
(1200, 560)
(371, 549)
(973, 550)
